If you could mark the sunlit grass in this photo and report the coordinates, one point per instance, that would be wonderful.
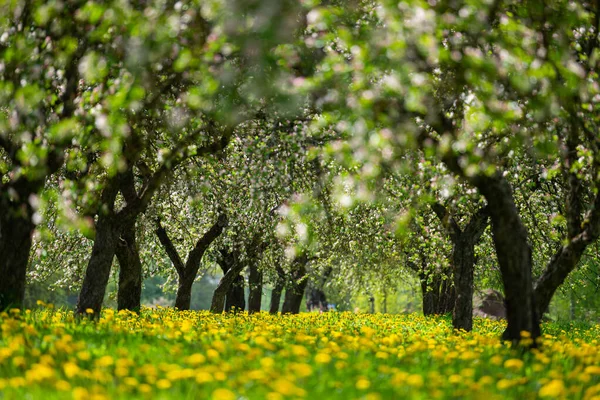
(163, 353)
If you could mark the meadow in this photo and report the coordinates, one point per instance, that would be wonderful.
(48, 353)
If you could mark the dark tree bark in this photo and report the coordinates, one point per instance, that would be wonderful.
(16, 229)
(236, 296)
(436, 287)
(277, 290)
(232, 267)
(514, 257)
(187, 272)
(315, 298)
(129, 294)
(97, 272)
(91, 295)
(463, 261)
(130, 271)
(255, 283)
(315, 295)
(255, 276)
(296, 286)
(438, 292)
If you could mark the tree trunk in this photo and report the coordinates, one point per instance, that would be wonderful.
(277, 290)
(97, 272)
(438, 293)
(187, 272)
(235, 300)
(130, 271)
(296, 287)
(514, 257)
(463, 259)
(232, 269)
(183, 299)
(255, 282)
(16, 230)
(315, 298)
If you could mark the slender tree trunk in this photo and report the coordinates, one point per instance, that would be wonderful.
(97, 272)
(16, 230)
(371, 304)
(233, 283)
(296, 287)
(438, 293)
(183, 299)
(463, 261)
(277, 290)
(187, 272)
(235, 300)
(315, 298)
(514, 257)
(130, 271)
(255, 282)
(463, 258)
(221, 292)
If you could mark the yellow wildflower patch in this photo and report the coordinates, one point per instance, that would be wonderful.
(194, 354)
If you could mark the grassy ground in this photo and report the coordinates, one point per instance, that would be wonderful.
(165, 354)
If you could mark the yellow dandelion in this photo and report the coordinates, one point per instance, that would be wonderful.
(301, 370)
(145, 388)
(513, 363)
(322, 358)
(415, 380)
(163, 384)
(363, 383)
(592, 370)
(223, 394)
(62, 385)
(554, 388)
(204, 377)
(70, 369)
(80, 393)
(195, 359)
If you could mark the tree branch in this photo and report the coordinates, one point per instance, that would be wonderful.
(154, 182)
(195, 256)
(477, 224)
(169, 248)
(448, 222)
